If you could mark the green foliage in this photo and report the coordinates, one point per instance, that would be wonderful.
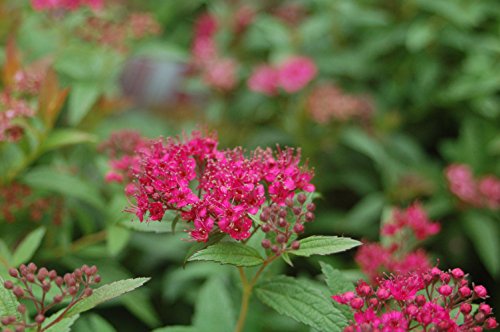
(28, 246)
(232, 253)
(106, 293)
(337, 284)
(300, 302)
(324, 245)
(8, 302)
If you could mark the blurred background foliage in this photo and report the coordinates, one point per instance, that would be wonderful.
(426, 72)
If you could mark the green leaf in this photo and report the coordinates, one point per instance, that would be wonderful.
(138, 303)
(63, 326)
(147, 226)
(302, 302)
(28, 246)
(81, 99)
(214, 309)
(231, 253)
(117, 239)
(105, 293)
(337, 284)
(50, 179)
(212, 239)
(176, 329)
(93, 322)
(324, 245)
(8, 302)
(484, 233)
(63, 137)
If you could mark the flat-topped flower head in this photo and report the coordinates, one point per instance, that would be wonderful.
(428, 301)
(217, 190)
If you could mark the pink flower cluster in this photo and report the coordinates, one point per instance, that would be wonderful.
(328, 102)
(41, 5)
(396, 255)
(434, 300)
(122, 148)
(12, 110)
(291, 75)
(217, 71)
(483, 192)
(215, 189)
(29, 79)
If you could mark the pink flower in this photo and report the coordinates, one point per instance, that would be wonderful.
(221, 74)
(295, 73)
(264, 79)
(462, 183)
(489, 188)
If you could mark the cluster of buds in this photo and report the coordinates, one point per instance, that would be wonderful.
(30, 280)
(434, 300)
(117, 34)
(328, 102)
(397, 253)
(28, 80)
(483, 192)
(281, 226)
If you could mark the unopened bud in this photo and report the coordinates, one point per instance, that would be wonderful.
(266, 244)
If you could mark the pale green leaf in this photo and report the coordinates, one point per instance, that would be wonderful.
(106, 293)
(324, 245)
(117, 239)
(63, 326)
(51, 179)
(214, 309)
(63, 137)
(28, 246)
(302, 302)
(8, 302)
(337, 284)
(81, 99)
(231, 253)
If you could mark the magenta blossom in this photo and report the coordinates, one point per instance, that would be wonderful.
(264, 79)
(295, 73)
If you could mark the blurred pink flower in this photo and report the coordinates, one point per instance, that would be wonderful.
(489, 188)
(295, 73)
(221, 74)
(264, 79)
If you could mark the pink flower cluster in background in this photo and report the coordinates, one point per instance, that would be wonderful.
(434, 300)
(66, 4)
(483, 192)
(12, 111)
(291, 75)
(217, 71)
(397, 254)
(215, 189)
(122, 148)
(328, 102)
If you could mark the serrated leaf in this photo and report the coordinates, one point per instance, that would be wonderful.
(287, 259)
(63, 137)
(213, 238)
(8, 302)
(81, 99)
(28, 246)
(232, 253)
(337, 284)
(50, 179)
(63, 326)
(214, 309)
(324, 245)
(485, 236)
(105, 293)
(302, 302)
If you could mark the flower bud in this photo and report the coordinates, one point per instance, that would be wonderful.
(309, 216)
(282, 222)
(311, 207)
(266, 244)
(480, 291)
(457, 273)
(301, 198)
(479, 317)
(484, 308)
(39, 319)
(88, 292)
(295, 245)
(32, 267)
(465, 308)
(266, 228)
(8, 284)
(445, 290)
(383, 293)
(21, 309)
(280, 238)
(13, 273)
(18, 291)
(275, 249)
(357, 303)
(298, 228)
(420, 300)
(464, 291)
(491, 323)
